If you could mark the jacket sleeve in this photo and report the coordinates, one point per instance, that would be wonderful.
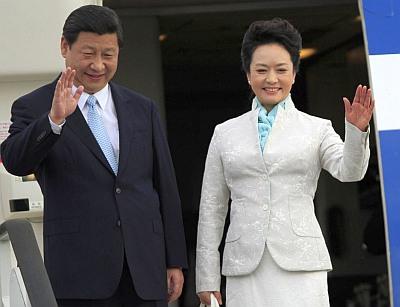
(346, 161)
(170, 204)
(212, 214)
(30, 139)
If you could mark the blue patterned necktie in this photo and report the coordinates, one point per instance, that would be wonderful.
(95, 122)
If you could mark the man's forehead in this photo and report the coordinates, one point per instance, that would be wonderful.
(94, 40)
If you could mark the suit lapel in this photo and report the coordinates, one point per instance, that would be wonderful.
(253, 120)
(279, 131)
(77, 123)
(253, 116)
(125, 123)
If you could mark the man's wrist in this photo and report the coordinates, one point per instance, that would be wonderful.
(55, 127)
(55, 120)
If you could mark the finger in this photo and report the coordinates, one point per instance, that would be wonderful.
(370, 110)
(68, 93)
(67, 76)
(57, 91)
(171, 296)
(67, 73)
(174, 291)
(218, 296)
(78, 93)
(347, 105)
(171, 286)
(169, 283)
(62, 80)
(205, 297)
(71, 78)
(174, 294)
(356, 98)
(363, 95)
(372, 105)
(368, 99)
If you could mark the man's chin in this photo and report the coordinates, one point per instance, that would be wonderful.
(91, 88)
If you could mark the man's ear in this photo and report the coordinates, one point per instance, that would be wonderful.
(64, 47)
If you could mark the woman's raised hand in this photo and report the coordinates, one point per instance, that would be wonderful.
(359, 112)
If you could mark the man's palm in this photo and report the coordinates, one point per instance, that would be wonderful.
(64, 103)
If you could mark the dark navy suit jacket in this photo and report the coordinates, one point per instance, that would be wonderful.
(92, 217)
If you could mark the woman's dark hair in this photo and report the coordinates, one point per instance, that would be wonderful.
(92, 18)
(274, 31)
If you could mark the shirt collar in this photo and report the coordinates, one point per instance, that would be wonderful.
(101, 96)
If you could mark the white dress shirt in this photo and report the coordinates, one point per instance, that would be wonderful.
(107, 110)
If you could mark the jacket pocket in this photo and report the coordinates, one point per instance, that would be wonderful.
(232, 235)
(302, 217)
(237, 213)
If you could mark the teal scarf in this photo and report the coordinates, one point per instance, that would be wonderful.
(266, 120)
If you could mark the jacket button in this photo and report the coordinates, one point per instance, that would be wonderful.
(265, 208)
(264, 177)
(119, 223)
(118, 190)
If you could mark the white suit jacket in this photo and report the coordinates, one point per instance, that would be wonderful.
(272, 192)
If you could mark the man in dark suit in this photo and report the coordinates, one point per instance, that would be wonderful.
(113, 233)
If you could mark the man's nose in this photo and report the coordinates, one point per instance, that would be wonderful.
(97, 64)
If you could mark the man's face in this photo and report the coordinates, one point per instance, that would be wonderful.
(94, 57)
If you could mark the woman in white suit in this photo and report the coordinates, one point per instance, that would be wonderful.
(267, 161)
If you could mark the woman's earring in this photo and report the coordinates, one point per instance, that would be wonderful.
(249, 81)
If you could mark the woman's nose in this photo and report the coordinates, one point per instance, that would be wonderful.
(271, 77)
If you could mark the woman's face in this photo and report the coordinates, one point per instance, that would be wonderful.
(271, 74)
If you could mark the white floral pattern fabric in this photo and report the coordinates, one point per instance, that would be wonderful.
(271, 192)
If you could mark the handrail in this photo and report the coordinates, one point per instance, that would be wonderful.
(30, 262)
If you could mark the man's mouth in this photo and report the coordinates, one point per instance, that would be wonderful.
(94, 76)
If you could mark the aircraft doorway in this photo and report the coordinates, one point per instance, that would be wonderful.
(204, 86)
